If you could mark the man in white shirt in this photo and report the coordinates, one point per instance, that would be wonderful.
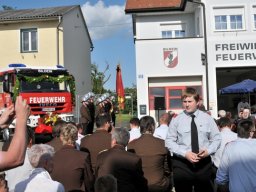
(135, 128)
(236, 172)
(161, 131)
(193, 136)
(227, 136)
(40, 157)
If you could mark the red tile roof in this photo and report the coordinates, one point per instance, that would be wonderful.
(133, 6)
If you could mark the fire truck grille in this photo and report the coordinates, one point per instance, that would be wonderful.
(47, 107)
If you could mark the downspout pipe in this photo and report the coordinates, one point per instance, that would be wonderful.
(58, 40)
(205, 50)
(134, 28)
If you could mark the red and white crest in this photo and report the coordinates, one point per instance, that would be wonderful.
(170, 57)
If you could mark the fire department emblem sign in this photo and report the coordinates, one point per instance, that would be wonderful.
(170, 57)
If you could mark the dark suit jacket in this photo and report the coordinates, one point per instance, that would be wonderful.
(99, 109)
(73, 169)
(85, 114)
(56, 143)
(153, 154)
(124, 166)
(95, 143)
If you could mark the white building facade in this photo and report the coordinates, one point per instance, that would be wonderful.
(170, 45)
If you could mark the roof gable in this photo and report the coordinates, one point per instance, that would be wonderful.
(28, 14)
(136, 6)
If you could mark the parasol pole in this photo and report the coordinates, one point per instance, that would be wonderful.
(249, 100)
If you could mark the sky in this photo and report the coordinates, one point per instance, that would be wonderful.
(110, 30)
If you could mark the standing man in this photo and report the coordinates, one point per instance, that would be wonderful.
(193, 136)
(85, 114)
(226, 136)
(201, 104)
(92, 112)
(242, 104)
(237, 168)
(161, 131)
(100, 108)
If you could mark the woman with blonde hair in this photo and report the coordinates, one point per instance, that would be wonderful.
(72, 167)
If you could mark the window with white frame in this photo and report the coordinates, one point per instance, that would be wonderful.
(28, 40)
(236, 22)
(254, 21)
(179, 33)
(166, 34)
(254, 16)
(173, 30)
(173, 34)
(229, 18)
(221, 22)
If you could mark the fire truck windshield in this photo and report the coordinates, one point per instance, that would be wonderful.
(42, 86)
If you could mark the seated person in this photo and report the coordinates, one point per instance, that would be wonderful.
(124, 166)
(153, 156)
(40, 157)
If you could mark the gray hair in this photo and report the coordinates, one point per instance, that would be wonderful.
(121, 135)
(39, 153)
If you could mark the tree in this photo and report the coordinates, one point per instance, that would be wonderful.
(99, 78)
(131, 102)
(6, 7)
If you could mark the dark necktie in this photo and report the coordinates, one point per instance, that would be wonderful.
(194, 136)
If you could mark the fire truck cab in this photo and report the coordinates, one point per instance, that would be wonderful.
(47, 90)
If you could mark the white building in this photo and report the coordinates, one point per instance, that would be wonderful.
(170, 45)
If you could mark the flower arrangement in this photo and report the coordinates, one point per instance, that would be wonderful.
(50, 118)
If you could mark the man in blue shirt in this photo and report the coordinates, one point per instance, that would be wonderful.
(226, 136)
(192, 166)
(237, 170)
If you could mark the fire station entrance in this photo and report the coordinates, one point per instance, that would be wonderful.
(229, 76)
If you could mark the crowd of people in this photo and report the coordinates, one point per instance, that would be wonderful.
(186, 152)
(92, 107)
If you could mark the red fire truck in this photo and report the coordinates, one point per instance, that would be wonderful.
(48, 90)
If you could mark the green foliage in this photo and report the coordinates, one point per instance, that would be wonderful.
(98, 79)
(131, 102)
(6, 7)
(67, 78)
(123, 120)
